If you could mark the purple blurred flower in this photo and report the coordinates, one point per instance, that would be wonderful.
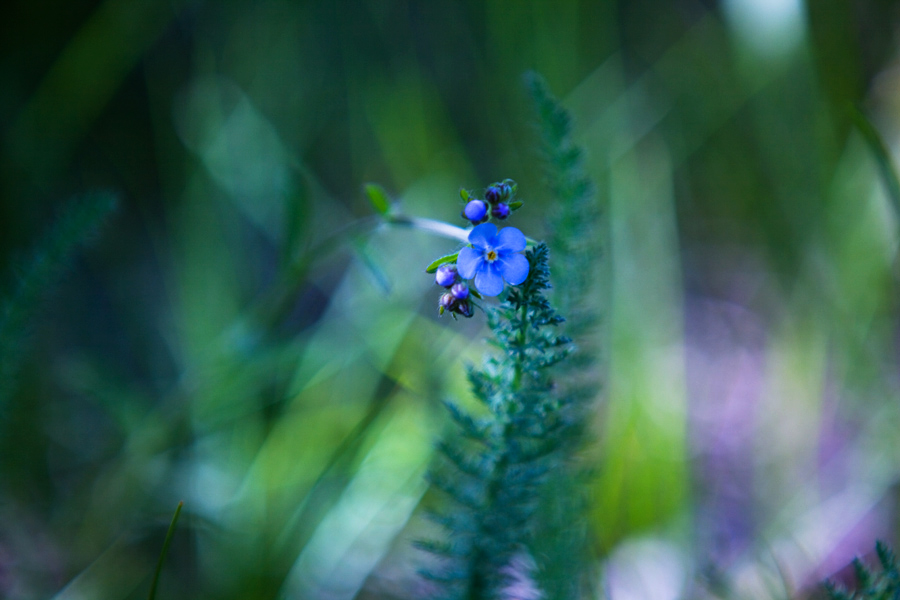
(493, 258)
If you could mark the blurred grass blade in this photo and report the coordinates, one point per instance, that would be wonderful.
(165, 550)
(882, 156)
(373, 268)
(80, 220)
(90, 69)
(378, 198)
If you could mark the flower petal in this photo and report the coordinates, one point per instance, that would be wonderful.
(510, 239)
(513, 268)
(483, 235)
(468, 262)
(488, 280)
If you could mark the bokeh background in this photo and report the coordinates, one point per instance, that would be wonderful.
(240, 334)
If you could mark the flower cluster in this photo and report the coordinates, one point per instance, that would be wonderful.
(456, 299)
(492, 259)
(496, 203)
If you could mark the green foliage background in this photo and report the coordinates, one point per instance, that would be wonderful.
(239, 334)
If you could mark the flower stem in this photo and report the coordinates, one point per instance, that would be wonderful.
(439, 227)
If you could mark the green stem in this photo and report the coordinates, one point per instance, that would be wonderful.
(483, 562)
(520, 341)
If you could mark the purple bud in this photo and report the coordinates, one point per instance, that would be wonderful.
(493, 194)
(447, 301)
(501, 211)
(445, 275)
(475, 211)
(463, 308)
(460, 291)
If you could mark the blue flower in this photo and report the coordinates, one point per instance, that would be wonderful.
(493, 258)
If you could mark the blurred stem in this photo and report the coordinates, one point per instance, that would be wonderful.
(430, 225)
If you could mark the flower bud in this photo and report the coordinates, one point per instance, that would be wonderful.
(456, 306)
(494, 194)
(500, 211)
(447, 301)
(463, 308)
(445, 275)
(460, 291)
(475, 211)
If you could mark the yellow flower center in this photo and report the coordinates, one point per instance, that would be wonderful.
(491, 256)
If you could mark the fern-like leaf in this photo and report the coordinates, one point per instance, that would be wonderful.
(871, 585)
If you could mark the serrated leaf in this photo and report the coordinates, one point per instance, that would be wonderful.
(885, 556)
(445, 577)
(440, 548)
(472, 429)
(460, 494)
(450, 258)
(378, 198)
(470, 465)
(863, 576)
